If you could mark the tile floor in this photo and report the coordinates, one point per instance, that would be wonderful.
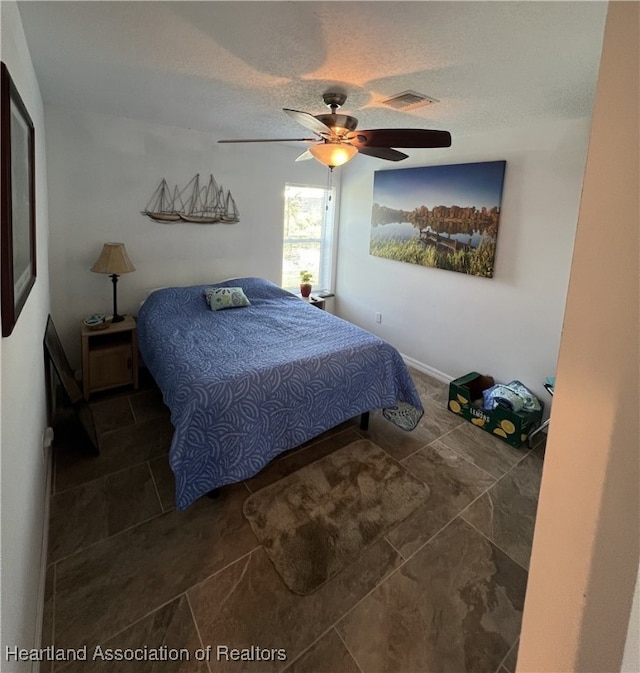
(441, 593)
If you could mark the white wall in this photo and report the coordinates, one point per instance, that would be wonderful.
(22, 399)
(508, 326)
(103, 171)
(584, 562)
(631, 658)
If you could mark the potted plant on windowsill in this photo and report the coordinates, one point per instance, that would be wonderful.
(305, 283)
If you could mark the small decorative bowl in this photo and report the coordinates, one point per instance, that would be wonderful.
(97, 321)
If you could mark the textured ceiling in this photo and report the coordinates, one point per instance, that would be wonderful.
(229, 67)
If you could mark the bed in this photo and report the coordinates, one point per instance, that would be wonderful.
(245, 384)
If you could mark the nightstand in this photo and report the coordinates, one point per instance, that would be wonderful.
(319, 302)
(109, 357)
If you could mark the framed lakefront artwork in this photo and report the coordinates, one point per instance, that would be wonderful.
(17, 216)
(445, 217)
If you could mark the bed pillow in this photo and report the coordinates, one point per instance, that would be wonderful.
(226, 297)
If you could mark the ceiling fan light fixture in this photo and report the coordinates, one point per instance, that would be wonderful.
(340, 142)
(333, 154)
(340, 125)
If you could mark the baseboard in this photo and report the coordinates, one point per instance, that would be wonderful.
(35, 667)
(425, 369)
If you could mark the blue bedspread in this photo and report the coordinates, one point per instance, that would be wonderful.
(245, 384)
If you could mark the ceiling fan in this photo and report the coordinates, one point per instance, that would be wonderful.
(337, 141)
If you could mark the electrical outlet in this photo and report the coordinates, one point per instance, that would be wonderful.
(378, 317)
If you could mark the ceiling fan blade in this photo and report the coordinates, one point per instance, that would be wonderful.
(309, 121)
(304, 156)
(271, 140)
(401, 138)
(382, 153)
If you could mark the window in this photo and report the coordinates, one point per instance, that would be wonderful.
(308, 236)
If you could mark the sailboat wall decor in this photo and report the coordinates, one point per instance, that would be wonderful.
(193, 203)
(162, 204)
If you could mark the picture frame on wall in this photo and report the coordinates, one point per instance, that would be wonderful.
(444, 217)
(17, 215)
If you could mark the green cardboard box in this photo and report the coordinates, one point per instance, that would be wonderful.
(510, 426)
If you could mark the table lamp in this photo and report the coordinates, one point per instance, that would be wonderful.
(114, 260)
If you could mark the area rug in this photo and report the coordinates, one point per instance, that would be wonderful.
(315, 522)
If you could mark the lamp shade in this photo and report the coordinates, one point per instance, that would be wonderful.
(333, 154)
(113, 259)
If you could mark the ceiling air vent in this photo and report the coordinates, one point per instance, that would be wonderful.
(408, 100)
